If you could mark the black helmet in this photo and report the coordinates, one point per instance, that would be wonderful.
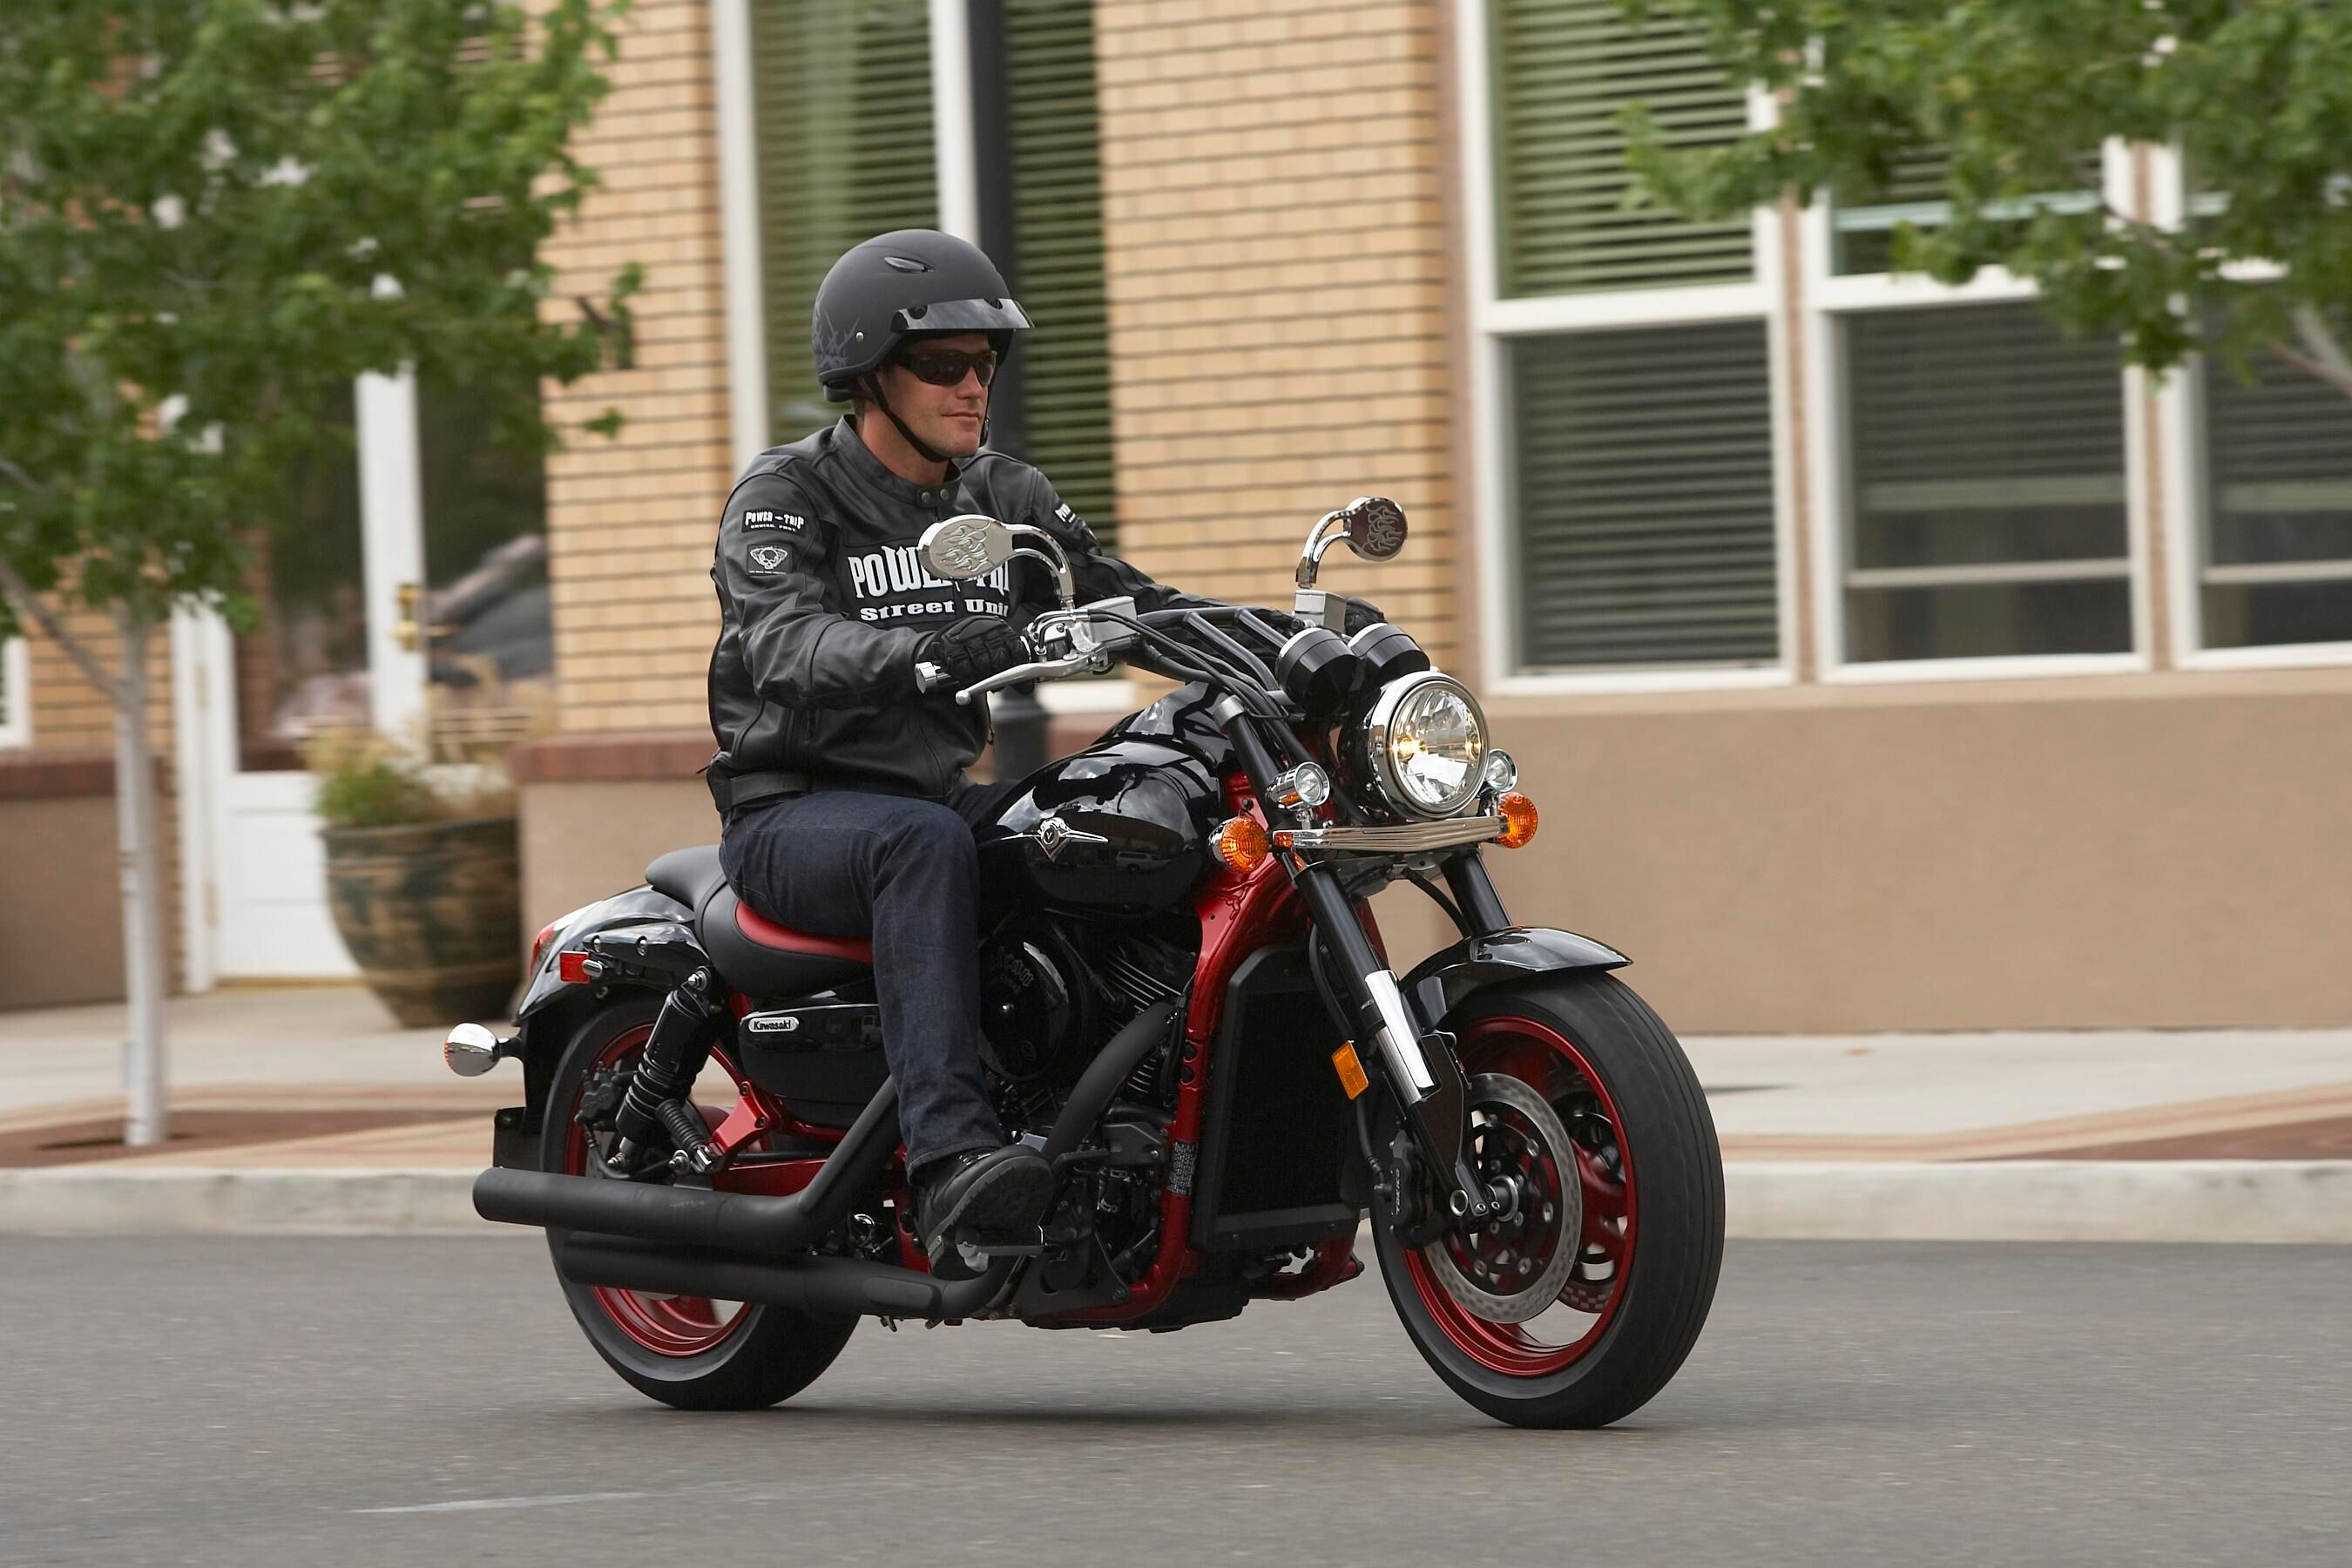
(908, 282)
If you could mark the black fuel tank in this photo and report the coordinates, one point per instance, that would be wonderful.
(1121, 829)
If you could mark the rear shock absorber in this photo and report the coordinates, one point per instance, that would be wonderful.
(658, 1104)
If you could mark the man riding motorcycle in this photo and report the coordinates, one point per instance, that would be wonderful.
(841, 779)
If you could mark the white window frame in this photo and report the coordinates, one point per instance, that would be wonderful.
(2188, 519)
(1494, 321)
(1829, 296)
(16, 679)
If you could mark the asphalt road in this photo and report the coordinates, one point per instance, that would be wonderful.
(384, 1403)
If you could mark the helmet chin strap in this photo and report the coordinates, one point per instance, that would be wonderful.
(874, 388)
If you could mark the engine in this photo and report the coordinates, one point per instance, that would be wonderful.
(1054, 991)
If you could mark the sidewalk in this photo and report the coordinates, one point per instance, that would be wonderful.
(307, 1110)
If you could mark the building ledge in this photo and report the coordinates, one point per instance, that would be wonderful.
(611, 757)
(52, 776)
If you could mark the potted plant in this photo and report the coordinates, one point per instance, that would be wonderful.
(422, 874)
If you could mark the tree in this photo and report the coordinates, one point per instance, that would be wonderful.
(2020, 96)
(214, 215)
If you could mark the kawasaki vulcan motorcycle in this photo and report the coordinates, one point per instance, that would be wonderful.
(1190, 1013)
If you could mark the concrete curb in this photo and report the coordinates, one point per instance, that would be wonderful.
(167, 1200)
(2019, 1200)
(2045, 1200)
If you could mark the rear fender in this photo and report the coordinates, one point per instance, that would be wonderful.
(1447, 978)
(550, 1012)
(638, 907)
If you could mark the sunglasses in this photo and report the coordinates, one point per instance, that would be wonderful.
(947, 367)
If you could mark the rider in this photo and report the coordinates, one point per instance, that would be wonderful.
(847, 809)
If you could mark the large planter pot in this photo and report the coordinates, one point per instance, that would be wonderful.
(430, 913)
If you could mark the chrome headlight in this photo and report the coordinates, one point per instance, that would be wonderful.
(1427, 743)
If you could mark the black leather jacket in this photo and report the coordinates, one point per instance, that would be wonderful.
(825, 610)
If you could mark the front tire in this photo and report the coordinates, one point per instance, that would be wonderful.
(686, 1351)
(1649, 1246)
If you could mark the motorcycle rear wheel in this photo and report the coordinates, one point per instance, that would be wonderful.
(686, 1351)
(1649, 1242)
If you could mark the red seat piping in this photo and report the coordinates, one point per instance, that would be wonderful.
(783, 939)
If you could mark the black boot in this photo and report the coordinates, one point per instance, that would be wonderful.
(986, 1189)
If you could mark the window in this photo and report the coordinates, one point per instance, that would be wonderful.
(847, 146)
(1643, 490)
(2276, 566)
(842, 108)
(16, 693)
(1632, 356)
(1973, 463)
(1985, 503)
(1054, 172)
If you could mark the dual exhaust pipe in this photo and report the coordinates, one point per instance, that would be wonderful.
(744, 1247)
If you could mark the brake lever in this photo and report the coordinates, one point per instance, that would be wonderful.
(1044, 669)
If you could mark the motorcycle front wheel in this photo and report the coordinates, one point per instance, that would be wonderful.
(684, 1350)
(1578, 1307)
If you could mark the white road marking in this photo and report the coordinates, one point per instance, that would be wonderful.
(469, 1505)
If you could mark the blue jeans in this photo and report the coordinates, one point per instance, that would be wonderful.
(905, 872)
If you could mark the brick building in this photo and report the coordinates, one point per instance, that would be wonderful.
(1880, 658)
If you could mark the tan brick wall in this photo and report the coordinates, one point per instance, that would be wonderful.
(69, 714)
(630, 522)
(1275, 261)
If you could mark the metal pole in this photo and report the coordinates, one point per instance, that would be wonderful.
(141, 866)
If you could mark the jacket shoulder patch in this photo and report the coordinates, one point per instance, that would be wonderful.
(767, 559)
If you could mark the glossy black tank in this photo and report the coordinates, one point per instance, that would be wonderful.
(1121, 829)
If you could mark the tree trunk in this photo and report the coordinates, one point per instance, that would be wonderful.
(139, 854)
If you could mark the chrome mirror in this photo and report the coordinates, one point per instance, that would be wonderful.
(964, 547)
(1374, 527)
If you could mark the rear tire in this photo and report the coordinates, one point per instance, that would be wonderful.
(1650, 1241)
(687, 1353)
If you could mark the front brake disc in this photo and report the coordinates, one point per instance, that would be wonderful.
(1510, 1269)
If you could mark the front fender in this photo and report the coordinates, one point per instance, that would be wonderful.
(1446, 978)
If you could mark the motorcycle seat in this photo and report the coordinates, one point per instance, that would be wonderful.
(754, 954)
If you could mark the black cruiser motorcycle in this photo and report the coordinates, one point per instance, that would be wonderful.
(1188, 1010)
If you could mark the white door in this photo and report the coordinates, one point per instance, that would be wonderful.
(340, 563)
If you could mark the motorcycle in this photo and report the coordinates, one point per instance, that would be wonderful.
(1188, 1010)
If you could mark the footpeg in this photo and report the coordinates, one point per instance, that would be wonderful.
(1026, 1241)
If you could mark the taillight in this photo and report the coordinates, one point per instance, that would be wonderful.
(539, 943)
(572, 968)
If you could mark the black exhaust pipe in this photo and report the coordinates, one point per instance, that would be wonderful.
(742, 1222)
(822, 1287)
(702, 1229)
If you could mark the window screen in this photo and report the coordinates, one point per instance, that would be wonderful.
(1643, 478)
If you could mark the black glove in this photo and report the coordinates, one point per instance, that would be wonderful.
(976, 648)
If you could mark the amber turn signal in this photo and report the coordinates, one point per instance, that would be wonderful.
(1241, 844)
(1518, 814)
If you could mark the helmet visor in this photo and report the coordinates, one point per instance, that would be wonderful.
(964, 316)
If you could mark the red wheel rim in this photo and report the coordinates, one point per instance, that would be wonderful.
(665, 1325)
(1551, 1064)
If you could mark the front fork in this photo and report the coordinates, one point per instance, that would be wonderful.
(1419, 1066)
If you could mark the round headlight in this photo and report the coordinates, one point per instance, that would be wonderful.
(1428, 744)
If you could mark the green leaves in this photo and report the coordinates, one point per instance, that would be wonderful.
(2021, 95)
(199, 201)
